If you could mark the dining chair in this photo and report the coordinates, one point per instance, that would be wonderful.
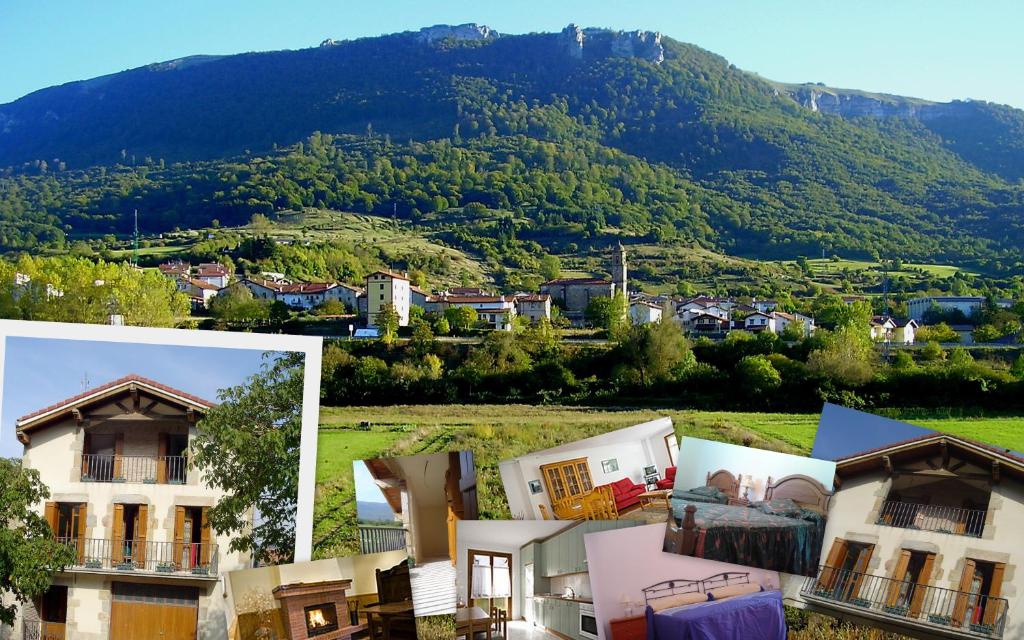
(544, 512)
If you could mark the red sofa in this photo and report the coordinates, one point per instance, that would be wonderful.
(669, 480)
(625, 492)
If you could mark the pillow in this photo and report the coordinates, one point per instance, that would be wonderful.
(680, 600)
(779, 507)
(711, 492)
(721, 593)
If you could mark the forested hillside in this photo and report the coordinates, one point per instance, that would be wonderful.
(567, 136)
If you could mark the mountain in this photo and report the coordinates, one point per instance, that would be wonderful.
(577, 135)
(374, 512)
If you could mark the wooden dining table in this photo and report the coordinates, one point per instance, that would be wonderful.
(469, 620)
(384, 614)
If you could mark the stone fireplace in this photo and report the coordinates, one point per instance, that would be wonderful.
(316, 610)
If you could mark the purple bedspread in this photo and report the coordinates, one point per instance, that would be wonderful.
(758, 616)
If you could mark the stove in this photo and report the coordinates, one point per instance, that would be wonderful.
(315, 611)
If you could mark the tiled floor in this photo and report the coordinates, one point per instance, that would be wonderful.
(433, 587)
(520, 630)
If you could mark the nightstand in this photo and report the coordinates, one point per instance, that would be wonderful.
(632, 628)
(739, 502)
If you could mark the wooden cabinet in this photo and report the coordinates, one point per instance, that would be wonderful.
(632, 628)
(567, 478)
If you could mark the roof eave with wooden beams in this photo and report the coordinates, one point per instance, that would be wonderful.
(132, 394)
(942, 451)
(388, 480)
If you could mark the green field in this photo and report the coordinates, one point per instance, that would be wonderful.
(498, 432)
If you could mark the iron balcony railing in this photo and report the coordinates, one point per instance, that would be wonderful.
(968, 613)
(965, 522)
(177, 558)
(144, 469)
(375, 539)
(38, 630)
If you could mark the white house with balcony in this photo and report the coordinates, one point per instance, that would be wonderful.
(924, 539)
(123, 496)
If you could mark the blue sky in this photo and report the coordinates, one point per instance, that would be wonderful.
(366, 489)
(938, 49)
(843, 431)
(41, 371)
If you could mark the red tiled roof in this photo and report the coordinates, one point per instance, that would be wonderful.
(471, 299)
(390, 274)
(532, 297)
(307, 287)
(130, 378)
(202, 284)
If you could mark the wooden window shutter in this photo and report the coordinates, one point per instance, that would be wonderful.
(118, 539)
(994, 608)
(140, 535)
(897, 578)
(118, 452)
(960, 608)
(83, 512)
(51, 516)
(921, 588)
(161, 458)
(204, 539)
(179, 534)
(833, 563)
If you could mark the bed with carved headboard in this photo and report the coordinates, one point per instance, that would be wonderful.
(725, 605)
(781, 533)
(718, 487)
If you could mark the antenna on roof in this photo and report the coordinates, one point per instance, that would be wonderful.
(85, 381)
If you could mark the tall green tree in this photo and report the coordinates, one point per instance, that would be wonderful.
(29, 554)
(248, 446)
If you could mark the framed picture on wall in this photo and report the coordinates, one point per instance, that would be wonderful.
(610, 465)
(535, 487)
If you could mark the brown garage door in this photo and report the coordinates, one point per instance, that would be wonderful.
(153, 611)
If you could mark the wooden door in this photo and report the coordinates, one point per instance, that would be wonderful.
(205, 539)
(153, 611)
(83, 509)
(118, 453)
(161, 458)
(860, 569)
(179, 536)
(467, 486)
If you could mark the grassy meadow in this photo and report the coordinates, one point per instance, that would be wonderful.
(499, 432)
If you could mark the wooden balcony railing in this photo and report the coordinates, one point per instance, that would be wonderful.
(38, 630)
(373, 539)
(905, 515)
(142, 469)
(965, 613)
(94, 554)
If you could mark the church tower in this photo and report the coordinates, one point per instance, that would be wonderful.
(619, 273)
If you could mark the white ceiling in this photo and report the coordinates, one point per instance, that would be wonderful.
(506, 534)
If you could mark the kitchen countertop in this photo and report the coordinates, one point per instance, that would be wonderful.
(555, 596)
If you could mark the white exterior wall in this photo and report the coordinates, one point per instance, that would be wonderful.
(644, 314)
(382, 290)
(854, 511)
(55, 451)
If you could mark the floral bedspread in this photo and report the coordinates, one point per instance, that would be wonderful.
(701, 494)
(750, 536)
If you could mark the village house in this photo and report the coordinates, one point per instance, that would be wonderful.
(643, 312)
(533, 306)
(200, 292)
(213, 273)
(759, 321)
(302, 295)
(783, 320)
(384, 289)
(124, 497)
(493, 312)
(895, 330)
(967, 305)
(175, 269)
(574, 295)
(923, 539)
